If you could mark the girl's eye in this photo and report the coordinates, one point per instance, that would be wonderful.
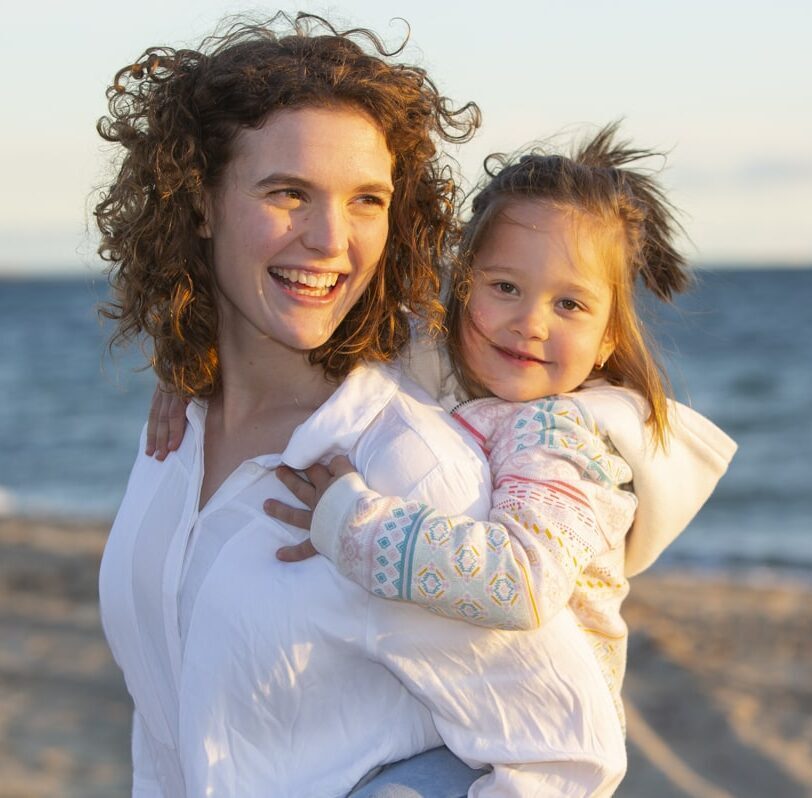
(505, 287)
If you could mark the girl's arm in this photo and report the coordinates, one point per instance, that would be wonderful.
(558, 504)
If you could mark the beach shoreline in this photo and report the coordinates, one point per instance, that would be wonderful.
(719, 684)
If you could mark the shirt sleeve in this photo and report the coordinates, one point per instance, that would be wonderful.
(145, 779)
(558, 502)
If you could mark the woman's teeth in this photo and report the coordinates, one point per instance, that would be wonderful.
(307, 283)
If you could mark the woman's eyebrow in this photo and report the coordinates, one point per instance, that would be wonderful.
(295, 181)
(376, 188)
(283, 178)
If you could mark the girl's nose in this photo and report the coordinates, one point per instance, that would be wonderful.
(326, 231)
(532, 322)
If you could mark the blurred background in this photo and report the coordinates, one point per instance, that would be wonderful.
(720, 680)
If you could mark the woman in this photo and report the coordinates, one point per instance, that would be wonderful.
(279, 201)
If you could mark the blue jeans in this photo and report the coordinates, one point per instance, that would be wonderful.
(432, 774)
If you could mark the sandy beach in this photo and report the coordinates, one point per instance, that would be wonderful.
(719, 685)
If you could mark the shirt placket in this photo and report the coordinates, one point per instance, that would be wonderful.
(176, 554)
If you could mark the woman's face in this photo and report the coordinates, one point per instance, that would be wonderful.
(299, 224)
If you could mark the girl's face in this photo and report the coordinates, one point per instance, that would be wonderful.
(536, 322)
(299, 224)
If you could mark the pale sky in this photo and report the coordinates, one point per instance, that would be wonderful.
(725, 87)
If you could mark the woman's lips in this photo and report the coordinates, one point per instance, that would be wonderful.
(306, 283)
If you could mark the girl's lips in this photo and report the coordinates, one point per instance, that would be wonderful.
(518, 357)
(515, 358)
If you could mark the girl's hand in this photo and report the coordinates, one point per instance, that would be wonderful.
(166, 423)
(309, 491)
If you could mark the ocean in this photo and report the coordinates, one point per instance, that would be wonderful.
(738, 349)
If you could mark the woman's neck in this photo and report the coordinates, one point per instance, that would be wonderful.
(261, 376)
(267, 390)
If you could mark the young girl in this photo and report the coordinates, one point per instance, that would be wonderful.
(594, 470)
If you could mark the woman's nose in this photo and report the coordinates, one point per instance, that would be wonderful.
(326, 231)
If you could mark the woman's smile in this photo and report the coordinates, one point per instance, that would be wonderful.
(302, 282)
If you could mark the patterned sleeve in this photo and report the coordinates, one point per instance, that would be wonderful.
(557, 504)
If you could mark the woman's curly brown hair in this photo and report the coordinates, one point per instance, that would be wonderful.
(176, 114)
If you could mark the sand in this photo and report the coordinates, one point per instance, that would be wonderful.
(719, 685)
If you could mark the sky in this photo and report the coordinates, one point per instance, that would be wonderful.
(724, 86)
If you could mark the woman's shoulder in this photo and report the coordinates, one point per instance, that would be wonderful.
(413, 448)
(413, 417)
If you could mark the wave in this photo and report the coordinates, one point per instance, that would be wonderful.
(781, 550)
(8, 503)
(64, 506)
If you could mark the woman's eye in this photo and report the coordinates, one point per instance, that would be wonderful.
(569, 304)
(505, 287)
(287, 197)
(370, 204)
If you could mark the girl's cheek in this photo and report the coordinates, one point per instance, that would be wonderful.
(489, 322)
(470, 336)
(477, 314)
(469, 340)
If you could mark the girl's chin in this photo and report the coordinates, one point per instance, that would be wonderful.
(510, 392)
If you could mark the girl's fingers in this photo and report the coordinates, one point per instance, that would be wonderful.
(176, 422)
(287, 514)
(301, 551)
(153, 421)
(300, 488)
(320, 477)
(340, 466)
(309, 491)
(166, 423)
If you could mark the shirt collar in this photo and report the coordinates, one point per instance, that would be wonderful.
(336, 426)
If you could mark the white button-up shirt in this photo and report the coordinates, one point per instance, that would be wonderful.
(252, 677)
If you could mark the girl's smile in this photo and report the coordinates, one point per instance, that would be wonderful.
(513, 356)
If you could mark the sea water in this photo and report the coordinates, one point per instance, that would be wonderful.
(738, 349)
